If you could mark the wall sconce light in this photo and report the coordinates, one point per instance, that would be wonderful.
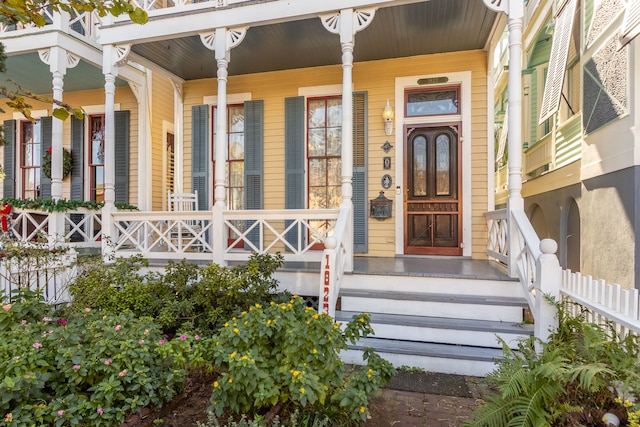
(387, 115)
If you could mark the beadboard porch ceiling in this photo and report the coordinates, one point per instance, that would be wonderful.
(425, 27)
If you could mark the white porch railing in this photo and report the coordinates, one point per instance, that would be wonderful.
(82, 227)
(336, 260)
(83, 25)
(29, 225)
(497, 243)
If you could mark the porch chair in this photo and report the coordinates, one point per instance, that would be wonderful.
(184, 202)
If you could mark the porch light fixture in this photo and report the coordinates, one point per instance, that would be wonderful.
(387, 115)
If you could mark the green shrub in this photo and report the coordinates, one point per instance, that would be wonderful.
(185, 298)
(88, 369)
(584, 371)
(286, 355)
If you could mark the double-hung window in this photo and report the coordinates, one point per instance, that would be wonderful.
(96, 157)
(30, 158)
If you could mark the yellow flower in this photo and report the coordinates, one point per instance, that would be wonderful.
(243, 313)
(361, 320)
(284, 307)
(301, 390)
(215, 384)
(315, 316)
(362, 409)
(368, 375)
(230, 380)
(258, 306)
(243, 358)
(309, 309)
(232, 355)
(226, 324)
(235, 330)
(296, 373)
(290, 305)
(618, 399)
(268, 322)
(627, 403)
(246, 323)
(314, 351)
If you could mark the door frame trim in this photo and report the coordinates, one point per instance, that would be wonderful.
(463, 79)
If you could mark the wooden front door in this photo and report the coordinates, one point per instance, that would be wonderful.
(432, 201)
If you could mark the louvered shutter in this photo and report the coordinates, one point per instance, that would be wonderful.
(557, 61)
(631, 23)
(45, 139)
(294, 159)
(77, 154)
(122, 156)
(200, 154)
(359, 181)
(253, 161)
(9, 163)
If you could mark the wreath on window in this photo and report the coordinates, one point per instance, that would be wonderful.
(67, 163)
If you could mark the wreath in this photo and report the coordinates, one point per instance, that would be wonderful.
(67, 163)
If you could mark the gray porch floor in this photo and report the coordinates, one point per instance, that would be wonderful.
(418, 266)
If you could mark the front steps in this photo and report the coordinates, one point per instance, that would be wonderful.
(446, 325)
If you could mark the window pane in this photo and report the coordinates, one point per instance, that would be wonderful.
(236, 119)
(334, 172)
(334, 112)
(236, 146)
(334, 142)
(316, 142)
(236, 175)
(236, 198)
(443, 178)
(430, 103)
(419, 173)
(335, 197)
(317, 172)
(317, 198)
(316, 114)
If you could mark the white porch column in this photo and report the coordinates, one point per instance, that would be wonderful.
(178, 126)
(514, 9)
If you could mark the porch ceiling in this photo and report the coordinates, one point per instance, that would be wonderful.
(414, 29)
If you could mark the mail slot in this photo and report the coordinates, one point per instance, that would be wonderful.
(380, 207)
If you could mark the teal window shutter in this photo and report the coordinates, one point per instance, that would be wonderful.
(294, 159)
(122, 156)
(359, 181)
(253, 161)
(9, 162)
(200, 154)
(46, 124)
(77, 154)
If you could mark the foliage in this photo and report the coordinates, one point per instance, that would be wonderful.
(294, 420)
(87, 369)
(67, 163)
(186, 297)
(584, 371)
(60, 205)
(287, 355)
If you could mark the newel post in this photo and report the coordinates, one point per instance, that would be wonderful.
(327, 297)
(548, 281)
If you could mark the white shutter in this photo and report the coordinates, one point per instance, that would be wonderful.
(558, 61)
(631, 23)
(503, 136)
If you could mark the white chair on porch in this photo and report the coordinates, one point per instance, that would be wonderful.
(188, 230)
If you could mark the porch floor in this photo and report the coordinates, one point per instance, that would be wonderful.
(456, 268)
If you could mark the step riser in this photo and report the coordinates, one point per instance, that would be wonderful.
(433, 284)
(435, 309)
(428, 363)
(298, 283)
(445, 336)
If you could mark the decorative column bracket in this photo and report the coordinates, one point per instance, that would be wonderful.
(234, 38)
(120, 54)
(45, 57)
(361, 20)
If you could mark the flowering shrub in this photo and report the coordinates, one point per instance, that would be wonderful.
(88, 369)
(288, 354)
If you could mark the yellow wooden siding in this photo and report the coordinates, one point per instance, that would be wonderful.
(161, 111)
(378, 79)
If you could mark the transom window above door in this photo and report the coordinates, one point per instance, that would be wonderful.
(432, 102)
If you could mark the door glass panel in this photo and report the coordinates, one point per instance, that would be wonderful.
(432, 102)
(419, 172)
(443, 177)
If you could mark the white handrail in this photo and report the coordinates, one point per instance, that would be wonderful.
(334, 262)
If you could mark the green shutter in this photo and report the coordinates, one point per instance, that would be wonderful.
(8, 186)
(253, 161)
(200, 154)
(294, 158)
(46, 124)
(533, 117)
(122, 156)
(359, 181)
(77, 154)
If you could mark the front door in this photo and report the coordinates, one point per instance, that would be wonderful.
(432, 197)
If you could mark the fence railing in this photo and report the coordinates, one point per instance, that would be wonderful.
(336, 259)
(46, 272)
(602, 303)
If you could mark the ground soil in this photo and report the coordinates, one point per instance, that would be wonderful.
(410, 399)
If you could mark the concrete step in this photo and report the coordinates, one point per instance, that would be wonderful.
(470, 332)
(433, 357)
(482, 307)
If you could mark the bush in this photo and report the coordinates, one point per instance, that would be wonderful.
(583, 372)
(88, 369)
(185, 298)
(286, 356)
